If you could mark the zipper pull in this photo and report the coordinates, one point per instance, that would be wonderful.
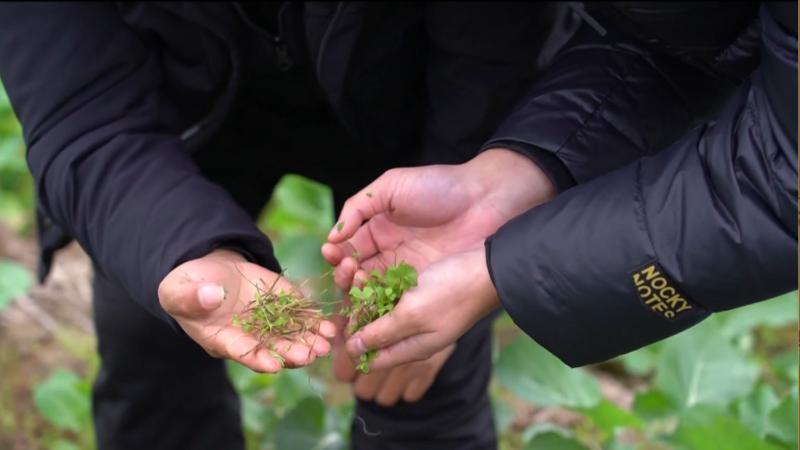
(284, 61)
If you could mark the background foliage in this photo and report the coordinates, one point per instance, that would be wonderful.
(729, 383)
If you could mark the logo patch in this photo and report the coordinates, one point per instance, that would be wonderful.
(659, 294)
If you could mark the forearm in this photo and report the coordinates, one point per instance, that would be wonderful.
(605, 102)
(139, 214)
(648, 250)
(509, 181)
(108, 168)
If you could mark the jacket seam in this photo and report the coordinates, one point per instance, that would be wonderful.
(641, 211)
(607, 95)
(326, 37)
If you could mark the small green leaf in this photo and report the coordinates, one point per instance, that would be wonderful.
(534, 374)
(608, 417)
(298, 205)
(653, 405)
(63, 400)
(339, 226)
(15, 280)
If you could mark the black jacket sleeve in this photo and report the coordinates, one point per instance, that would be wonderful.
(621, 90)
(652, 248)
(108, 169)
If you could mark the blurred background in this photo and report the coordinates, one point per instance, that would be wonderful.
(729, 383)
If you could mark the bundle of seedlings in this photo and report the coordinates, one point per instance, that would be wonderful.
(376, 298)
(272, 316)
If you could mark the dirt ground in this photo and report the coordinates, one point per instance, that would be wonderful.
(49, 328)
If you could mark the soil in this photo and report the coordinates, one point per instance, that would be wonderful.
(39, 333)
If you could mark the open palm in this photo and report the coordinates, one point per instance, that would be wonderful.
(422, 214)
(416, 215)
(205, 294)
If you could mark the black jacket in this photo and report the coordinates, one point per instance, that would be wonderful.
(663, 227)
(114, 98)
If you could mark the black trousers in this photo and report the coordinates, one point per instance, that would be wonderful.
(158, 390)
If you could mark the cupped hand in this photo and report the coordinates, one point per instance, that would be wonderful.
(204, 294)
(408, 382)
(421, 214)
(451, 296)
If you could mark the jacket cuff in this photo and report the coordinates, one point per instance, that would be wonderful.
(579, 290)
(555, 170)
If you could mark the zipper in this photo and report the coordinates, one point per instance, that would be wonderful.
(284, 61)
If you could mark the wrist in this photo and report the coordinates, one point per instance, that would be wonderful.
(510, 181)
(483, 287)
(226, 255)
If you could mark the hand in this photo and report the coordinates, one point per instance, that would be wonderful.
(409, 381)
(203, 295)
(451, 295)
(386, 387)
(419, 215)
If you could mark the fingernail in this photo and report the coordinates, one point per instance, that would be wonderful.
(359, 346)
(210, 296)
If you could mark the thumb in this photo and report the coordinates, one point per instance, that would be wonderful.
(381, 333)
(210, 296)
(186, 298)
(374, 199)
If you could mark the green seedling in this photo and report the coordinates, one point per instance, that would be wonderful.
(376, 298)
(279, 315)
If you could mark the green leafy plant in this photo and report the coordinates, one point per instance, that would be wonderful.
(378, 297)
(709, 387)
(63, 400)
(287, 411)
